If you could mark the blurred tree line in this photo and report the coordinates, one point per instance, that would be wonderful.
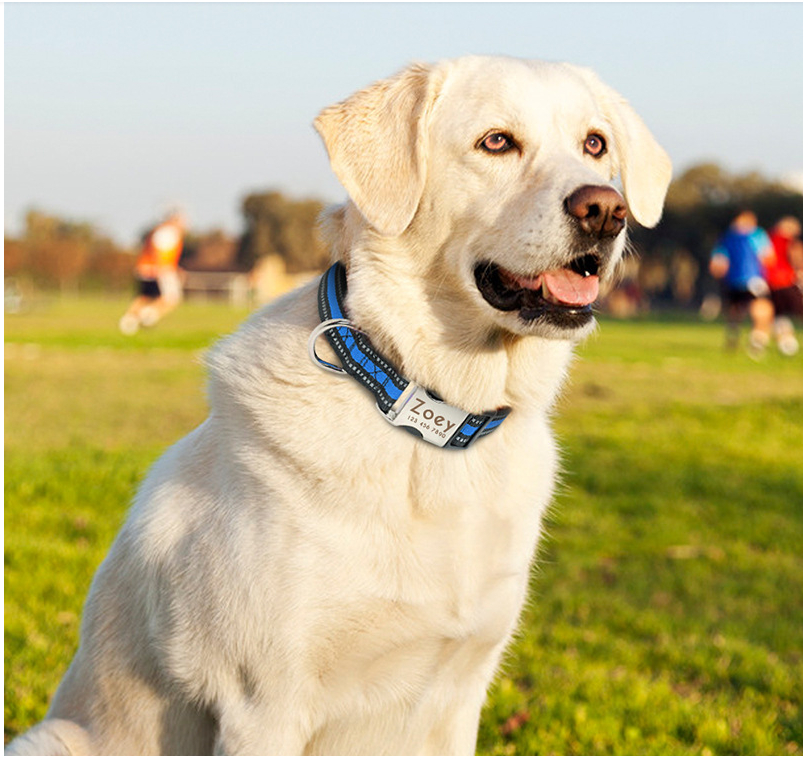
(54, 253)
(673, 257)
(669, 269)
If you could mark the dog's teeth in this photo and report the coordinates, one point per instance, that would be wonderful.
(546, 294)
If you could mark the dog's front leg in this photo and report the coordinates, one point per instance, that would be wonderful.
(455, 731)
(255, 728)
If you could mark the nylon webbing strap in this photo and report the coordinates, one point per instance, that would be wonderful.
(477, 426)
(358, 357)
(360, 360)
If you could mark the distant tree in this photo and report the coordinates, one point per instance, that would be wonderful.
(213, 250)
(709, 185)
(60, 261)
(299, 241)
(277, 225)
(40, 227)
(110, 267)
(15, 257)
(54, 252)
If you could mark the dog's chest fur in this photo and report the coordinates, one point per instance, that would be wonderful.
(380, 565)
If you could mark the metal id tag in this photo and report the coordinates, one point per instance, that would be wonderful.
(434, 420)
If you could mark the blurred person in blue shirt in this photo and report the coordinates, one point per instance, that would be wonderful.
(737, 262)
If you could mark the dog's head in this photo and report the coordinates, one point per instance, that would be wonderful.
(499, 174)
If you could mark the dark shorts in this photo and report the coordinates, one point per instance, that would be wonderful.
(149, 288)
(737, 297)
(788, 301)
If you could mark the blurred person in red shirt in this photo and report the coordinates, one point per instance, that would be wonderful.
(783, 271)
(157, 273)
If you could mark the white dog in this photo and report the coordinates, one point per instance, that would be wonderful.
(299, 576)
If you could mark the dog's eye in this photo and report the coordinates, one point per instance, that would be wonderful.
(497, 143)
(595, 145)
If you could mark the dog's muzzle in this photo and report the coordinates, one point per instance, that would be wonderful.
(561, 297)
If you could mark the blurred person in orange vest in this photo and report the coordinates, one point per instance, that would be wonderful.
(783, 270)
(157, 275)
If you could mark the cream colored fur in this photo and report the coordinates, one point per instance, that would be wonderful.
(296, 575)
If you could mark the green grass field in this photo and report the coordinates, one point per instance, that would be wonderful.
(666, 612)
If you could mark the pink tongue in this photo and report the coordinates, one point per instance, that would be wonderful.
(571, 288)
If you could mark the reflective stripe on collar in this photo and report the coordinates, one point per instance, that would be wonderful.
(400, 402)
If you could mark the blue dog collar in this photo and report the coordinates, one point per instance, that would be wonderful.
(400, 402)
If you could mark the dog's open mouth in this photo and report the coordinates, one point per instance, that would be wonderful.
(562, 296)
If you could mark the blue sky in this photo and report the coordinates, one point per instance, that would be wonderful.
(114, 111)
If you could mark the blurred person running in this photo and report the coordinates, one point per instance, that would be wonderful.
(783, 270)
(737, 261)
(157, 275)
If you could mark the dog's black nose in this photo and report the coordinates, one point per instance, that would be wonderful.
(599, 211)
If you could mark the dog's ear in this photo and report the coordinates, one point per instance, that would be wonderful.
(376, 140)
(644, 166)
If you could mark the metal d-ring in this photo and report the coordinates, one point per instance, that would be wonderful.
(320, 329)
